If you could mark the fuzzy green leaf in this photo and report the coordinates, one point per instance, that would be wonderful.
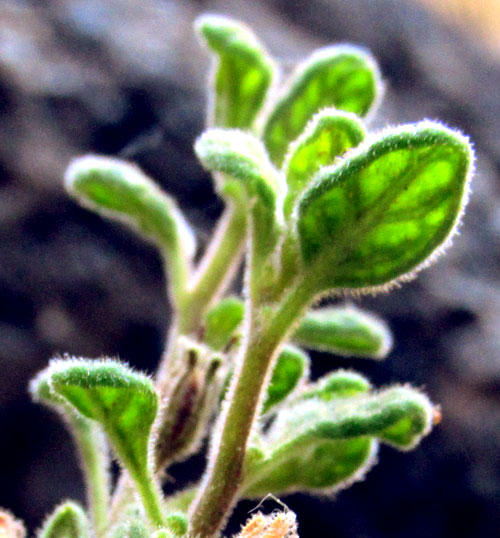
(222, 321)
(292, 365)
(177, 523)
(243, 157)
(121, 191)
(328, 135)
(339, 384)
(379, 214)
(67, 521)
(123, 401)
(243, 71)
(344, 330)
(321, 443)
(343, 77)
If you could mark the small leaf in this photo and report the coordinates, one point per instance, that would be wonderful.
(221, 322)
(339, 384)
(67, 521)
(321, 443)
(379, 214)
(328, 135)
(346, 331)
(343, 77)
(177, 523)
(242, 74)
(121, 191)
(292, 365)
(244, 158)
(123, 401)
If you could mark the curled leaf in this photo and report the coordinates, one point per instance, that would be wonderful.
(243, 71)
(343, 77)
(377, 216)
(344, 330)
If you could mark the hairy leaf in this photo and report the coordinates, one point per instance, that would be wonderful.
(243, 157)
(339, 384)
(123, 401)
(177, 523)
(292, 365)
(121, 191)
(344, 330)
(343, 77)
(222, 320)
(380, 213)
(243, 71)
(67, 521)
(323, 443)
(328, 135)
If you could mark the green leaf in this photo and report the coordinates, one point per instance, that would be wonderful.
(243, 157)
(324, 443)
(133, 526)
(377, 216)
(123, 401)
(121, 191)
(67, 521)
(327, 136)
(343, 77)
(222, 320)
(344, 330)
(339, 384)
(243, 71)
(177, 523)
(292, 365)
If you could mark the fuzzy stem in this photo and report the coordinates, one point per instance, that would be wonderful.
(220, 487)
(216, 268)
(150, 497)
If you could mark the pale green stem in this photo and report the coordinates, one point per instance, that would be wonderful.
(150, 497)
(220, 487)
(95, 462)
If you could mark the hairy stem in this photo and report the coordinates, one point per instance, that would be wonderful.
(220, 487)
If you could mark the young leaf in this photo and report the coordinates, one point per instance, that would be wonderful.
(121, 191)
(243, 157)
(292, 365)
(378, 215)
(177, 523)
(132, 527)
(322, 443)
(339, 384)
(125, 403)
(344, 330)
(343, 77)
(328, 135)
(221, 322)
(67, 521)
(243, 71)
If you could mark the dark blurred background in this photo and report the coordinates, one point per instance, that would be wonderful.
(127, 78)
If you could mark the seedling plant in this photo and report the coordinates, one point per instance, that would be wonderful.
(315, 207)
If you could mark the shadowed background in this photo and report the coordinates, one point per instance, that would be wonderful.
(124, 77)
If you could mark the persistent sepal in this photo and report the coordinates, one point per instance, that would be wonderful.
(123, 192)
(386, 210)
(344, 330)
(243, 71)
(324, 443)
(68, 521)
(343, 77)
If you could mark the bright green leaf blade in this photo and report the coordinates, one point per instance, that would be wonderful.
(292, 365)
(328, 135)
(344, 330)
(222, 321)
(67, 521)
(243, 71)
(321, 443)
(378, 215)
(123, 401)
(339, 384)
(243, 157)
(343, 77)
(121, 191)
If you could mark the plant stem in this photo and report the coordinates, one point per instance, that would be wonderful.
(220, 487)
(95, 462)
(216, 268)
(150, 497)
